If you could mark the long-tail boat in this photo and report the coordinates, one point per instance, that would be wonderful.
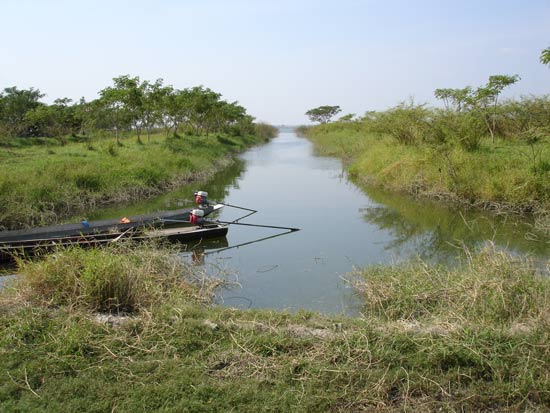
(178, 225)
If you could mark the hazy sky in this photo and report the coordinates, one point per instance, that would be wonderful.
(277, 58)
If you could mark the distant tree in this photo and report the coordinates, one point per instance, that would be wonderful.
(454, 99)
(125, 101)
(323, 114)
(545, 56)
(175, 109)
(57, 120)
(444, 94)
(152, 96)
(202, 106)
(347, 118)
(485, 98)
(85, 114)
(232, 118)
(14, 105)
(202, 111)
(115, 112)
(128, 104)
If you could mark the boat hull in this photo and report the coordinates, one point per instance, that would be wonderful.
(157, 220)
(182, 234)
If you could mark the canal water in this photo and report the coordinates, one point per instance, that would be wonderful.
(342, 227)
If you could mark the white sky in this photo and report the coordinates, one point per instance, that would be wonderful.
(277, 58)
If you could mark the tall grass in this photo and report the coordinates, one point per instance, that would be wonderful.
(118, 279)
(492, 289)
(265, 130)
(497, 177)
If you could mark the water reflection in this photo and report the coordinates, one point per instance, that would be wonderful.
(218, 188)
(436, 232)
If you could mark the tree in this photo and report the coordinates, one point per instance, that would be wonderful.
(485, 99)
(323, 114)
(202, 106)
(85, 114)
(14, 105)
(230, 118)
(125, 103)
(152, 97)
(57, 120)
(545, 56)
(175, 109)
(128, 104)
(454, 99)
(115, 112)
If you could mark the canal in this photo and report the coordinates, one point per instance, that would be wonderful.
(342, 227)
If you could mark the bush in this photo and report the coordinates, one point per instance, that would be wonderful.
(518, 116)
(407, 123)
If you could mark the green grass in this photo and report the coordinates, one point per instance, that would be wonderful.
(496, 176)
(43, 184)
(470, 339)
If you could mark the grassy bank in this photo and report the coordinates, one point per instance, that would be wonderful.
(43, 184)
(498, 177)
(474, 339)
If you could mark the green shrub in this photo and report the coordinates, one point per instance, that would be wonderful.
(407, 123)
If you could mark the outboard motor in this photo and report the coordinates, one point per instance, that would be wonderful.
(196, 217)
(201, 198)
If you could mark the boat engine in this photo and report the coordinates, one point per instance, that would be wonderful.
(201, 198)
(196, 217)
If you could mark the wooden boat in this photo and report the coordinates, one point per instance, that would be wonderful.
(106, 226)
(34, 246)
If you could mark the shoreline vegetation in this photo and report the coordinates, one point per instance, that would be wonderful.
(477, 149)
(64, 159)
(421, 151)
(46, 183)
(129, 329)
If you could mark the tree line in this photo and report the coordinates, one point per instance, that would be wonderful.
(128, 104)
(468, 115)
